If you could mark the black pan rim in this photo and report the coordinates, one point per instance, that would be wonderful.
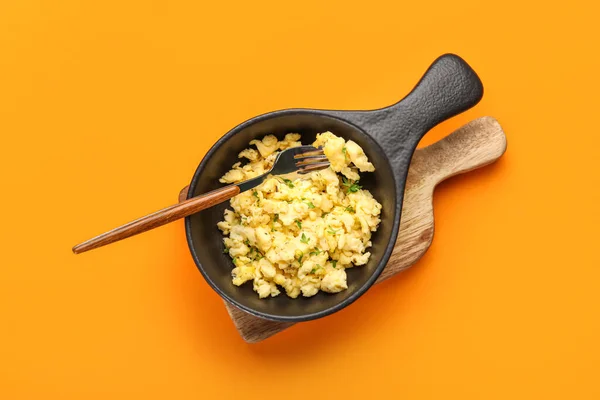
(307, 317)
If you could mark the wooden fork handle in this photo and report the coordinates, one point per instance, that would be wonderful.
(159, 218)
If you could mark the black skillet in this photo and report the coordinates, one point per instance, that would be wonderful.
(389, 137)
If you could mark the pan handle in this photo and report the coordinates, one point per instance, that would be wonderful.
(449, 87)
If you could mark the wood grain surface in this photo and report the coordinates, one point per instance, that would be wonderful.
(159, 218)
(476, 144)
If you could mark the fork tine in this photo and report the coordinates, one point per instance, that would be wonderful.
(305, 147)
(298, 159)
(313, 167)
(312, 153)
(311, 160)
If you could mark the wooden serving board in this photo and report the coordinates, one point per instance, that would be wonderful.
(478, 143)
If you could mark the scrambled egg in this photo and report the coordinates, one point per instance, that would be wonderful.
(300, 234)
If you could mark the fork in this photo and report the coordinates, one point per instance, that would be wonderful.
(301, 159)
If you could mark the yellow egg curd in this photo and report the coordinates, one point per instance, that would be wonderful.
(300, 232)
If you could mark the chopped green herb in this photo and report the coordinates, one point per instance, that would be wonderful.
(331, 231)
(288, 182)
(318, 267)
(334, 262)
(234, 260)
(299, 223)
(310, 205)
(300, 258)
(304, 239)
(315, 252)
(275, 217)
(354, 188)
(225, 250)
(350, 209)
(247, 242)
(255, 193)
(351, 187)
(312, 271)
(290, 201)
(345, 151)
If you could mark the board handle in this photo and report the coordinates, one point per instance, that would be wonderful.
(478, 143)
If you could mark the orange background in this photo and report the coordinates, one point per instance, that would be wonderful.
(106, 108)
